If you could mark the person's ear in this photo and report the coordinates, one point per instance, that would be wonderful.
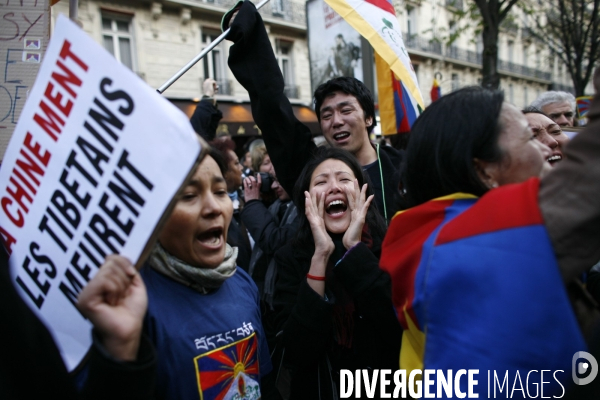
(488, 172)
(369, 121)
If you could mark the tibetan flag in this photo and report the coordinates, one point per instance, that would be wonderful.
(395, 109)
(376, 21)
(480, 290)
(436, 92)
(583, 105)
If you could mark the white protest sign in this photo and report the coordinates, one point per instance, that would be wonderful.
(95, 160)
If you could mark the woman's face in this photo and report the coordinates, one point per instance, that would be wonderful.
(234, 172)
(248, 160)
(523, 156)
(329, 179)
(196, 231)
(266, 166)
(548, 132)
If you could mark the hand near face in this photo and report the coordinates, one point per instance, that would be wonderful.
(315, 210)
(358, 206)
(115, 301)
(252, 188)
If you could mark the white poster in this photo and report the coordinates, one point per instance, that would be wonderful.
(334, 46)
(95, 159)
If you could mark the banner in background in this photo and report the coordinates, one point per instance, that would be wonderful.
(23, 40)
(95, 160)
(334, 46)
(376, 21)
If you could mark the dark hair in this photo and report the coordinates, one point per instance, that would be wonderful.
(219, 159)
(223, 145)
(445, 140)
(351, 86)
(373, 221)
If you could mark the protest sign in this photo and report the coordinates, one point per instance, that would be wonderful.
(93, 164)
(23, 38)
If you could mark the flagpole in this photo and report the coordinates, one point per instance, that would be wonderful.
(73, 4)
(200, 55)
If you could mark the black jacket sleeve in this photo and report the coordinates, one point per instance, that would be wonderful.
(265, 230)
(377, 333)
(303, 317)
(128, 380)
(307, 321)
(31, 366)
(205, 119)
(253, 63)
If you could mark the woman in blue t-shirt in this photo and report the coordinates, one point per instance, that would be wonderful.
(203, 311)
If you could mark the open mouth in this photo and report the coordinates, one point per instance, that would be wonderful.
(554, 159)
(341, 136)
(212, 237)
(336, 208)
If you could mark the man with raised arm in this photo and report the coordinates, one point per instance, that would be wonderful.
(344, 107)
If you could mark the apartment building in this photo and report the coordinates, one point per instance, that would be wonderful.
(156, 38)
(526, 66)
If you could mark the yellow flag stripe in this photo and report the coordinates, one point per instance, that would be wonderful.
(351, 16)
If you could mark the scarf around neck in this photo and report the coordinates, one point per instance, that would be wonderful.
(203, 280)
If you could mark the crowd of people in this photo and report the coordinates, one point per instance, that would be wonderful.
(473, 248)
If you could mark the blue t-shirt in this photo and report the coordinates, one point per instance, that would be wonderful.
(208, 346)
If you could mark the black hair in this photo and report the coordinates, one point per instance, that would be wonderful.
(351, 86)
(373, 220)
(219, 159)
(445, 140)
(223, 145)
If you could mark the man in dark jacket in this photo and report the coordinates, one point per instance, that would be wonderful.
(344, 107)
(206, 116)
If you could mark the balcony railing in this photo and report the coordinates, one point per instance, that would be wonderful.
(418, 43)
(561, 87)
(523, 70)
(285, 10)
(457, 53)
(415, 42)
(225, 87)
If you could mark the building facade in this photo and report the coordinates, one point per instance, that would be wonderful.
(526, 66)
(157, 38)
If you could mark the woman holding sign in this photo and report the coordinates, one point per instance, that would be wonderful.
(203, 311)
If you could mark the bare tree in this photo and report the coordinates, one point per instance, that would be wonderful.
(489, 16)
(492, 12)
(570, 29)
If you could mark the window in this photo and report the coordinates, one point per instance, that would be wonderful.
(526, 96)
(278, 7)
(510, 49)
(214, 62)
(117, 38)
(284, 58)
(455, 82)
(411, 21)
(511, 93)
(453, 27)
(525, 55)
